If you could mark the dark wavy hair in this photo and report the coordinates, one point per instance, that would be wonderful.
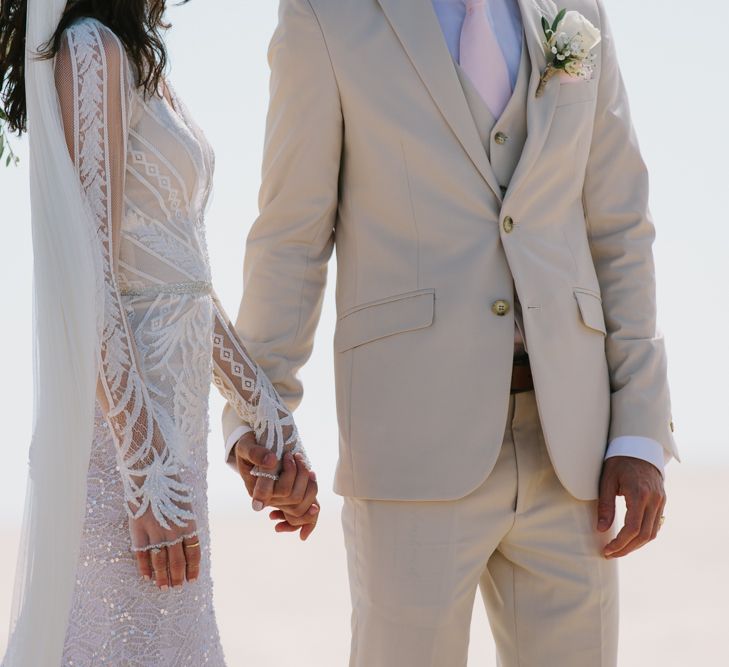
(137, 23)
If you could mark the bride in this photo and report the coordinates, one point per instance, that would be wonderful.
(114, 563)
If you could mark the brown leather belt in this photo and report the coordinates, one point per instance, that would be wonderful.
(521, 376)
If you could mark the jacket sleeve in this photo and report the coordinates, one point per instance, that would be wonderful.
(292, 240)
(621, 234)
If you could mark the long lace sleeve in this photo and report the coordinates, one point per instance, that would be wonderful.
(250, 393)
(94, 84)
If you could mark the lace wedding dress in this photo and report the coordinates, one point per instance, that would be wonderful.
(146, 169)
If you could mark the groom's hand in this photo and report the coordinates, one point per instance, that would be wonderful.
(294, 492)
(641, 484)
(299, 510)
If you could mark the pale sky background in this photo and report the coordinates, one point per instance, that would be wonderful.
(674, 58)
(673, 597)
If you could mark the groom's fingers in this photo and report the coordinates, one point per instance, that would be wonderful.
(285, 484)
(307, 530)
(636, 508)
(307, 502)
(286, 527)
(299, 489)
(253, 454)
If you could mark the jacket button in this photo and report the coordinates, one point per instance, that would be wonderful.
(500, 307)
(500, 138)
(508, 224)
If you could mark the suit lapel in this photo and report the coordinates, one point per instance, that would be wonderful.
(540, 110)
(417, 27)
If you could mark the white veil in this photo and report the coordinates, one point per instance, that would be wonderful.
(66, 324)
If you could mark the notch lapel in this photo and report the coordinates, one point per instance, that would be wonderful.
(540, 110)
(417, 27)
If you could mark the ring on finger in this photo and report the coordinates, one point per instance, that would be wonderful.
(266, 475)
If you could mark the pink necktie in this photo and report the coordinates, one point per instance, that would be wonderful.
(483, 60)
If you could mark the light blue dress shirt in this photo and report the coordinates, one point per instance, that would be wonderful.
(505, 18)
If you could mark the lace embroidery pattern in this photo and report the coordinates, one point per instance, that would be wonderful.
(156, 361)
(164, 337)
(118, 619)
(150, 472)
(152, 170)
(258, 404)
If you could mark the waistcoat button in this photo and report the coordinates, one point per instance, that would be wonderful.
(500, 307)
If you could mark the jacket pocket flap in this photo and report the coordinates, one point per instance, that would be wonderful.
(387, 317)
(574, 92)
(591, 310)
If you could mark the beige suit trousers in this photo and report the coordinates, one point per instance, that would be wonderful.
(531, 547)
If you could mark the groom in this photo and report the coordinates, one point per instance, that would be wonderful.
(499, 375)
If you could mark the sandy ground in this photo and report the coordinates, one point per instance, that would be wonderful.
(675, 593)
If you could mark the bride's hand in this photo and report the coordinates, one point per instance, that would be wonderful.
(169, 565)
(293, 494)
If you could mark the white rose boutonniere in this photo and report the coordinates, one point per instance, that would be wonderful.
(568, 43)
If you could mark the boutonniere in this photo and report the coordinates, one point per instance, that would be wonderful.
(568, 44)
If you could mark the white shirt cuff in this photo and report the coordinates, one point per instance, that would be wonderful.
(233, 438)
(639, 448)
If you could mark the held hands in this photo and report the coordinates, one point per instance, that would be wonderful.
(293, 495)
(641, 483)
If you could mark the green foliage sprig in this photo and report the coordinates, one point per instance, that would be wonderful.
(6, 150)
(549, 30)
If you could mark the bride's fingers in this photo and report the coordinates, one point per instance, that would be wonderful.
(144, 564)
(244, 470)
(159, 567)
(262, 493)
(177, 564)
(193, 554)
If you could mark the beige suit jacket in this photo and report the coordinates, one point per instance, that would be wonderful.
(370, 143)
